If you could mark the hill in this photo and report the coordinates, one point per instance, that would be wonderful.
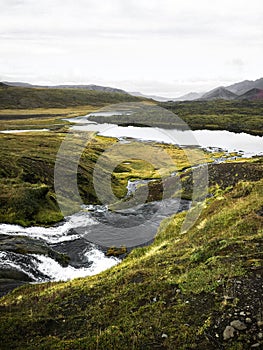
(196, 290)
(246, 85)
(154, 97)
(191, 96)
(67, 86)
(253, 94)
(219, 93)
(28, 98)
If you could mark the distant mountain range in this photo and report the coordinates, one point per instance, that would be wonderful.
(219, 93)
(191, 96)
(85, 87)
(244, 90)
(246, 85)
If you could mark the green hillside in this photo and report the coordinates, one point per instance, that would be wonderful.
(22, 98)
(179, 293)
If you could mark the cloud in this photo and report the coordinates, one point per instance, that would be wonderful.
(128, 40)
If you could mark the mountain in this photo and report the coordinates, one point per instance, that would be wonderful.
(230, 92)
(30, 97)
(191, 96)
(90, 87)
(68, 86)
(19, 84)
(246, 85)
(253, 94)
(154, 97)
(219, 93)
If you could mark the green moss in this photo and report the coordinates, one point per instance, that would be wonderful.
(31, 98)
(173, 287)
(236, 116)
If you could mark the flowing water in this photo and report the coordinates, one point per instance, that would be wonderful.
(84, 235)
(74, 236)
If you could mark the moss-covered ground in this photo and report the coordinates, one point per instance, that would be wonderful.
(235, 116)
(179, 293)
(27, 163)
(182, 291)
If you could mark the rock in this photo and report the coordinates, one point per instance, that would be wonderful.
(25, 245)
(260, 323)
(164, 335)
(14, 274)
(256, 345)
(242, 313)
(260, 335)
(248, 320)
(228, 332)
(240, 326)
(6, 285)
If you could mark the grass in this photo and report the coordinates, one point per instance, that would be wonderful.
(27, 172)
(180, 292)
(30, 98)
(235, 116)
(27, 167)
(50, 118)
(175, 294)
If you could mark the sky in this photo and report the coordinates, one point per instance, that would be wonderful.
(162, 47)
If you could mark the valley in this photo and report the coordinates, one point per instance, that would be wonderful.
(178, 229)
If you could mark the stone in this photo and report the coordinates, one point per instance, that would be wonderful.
(248, 320)
(256, 345)
(228, 332)
(260, 335)
(240, 326)
(164, 335)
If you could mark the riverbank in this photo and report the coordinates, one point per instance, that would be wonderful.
(184, 291)
(27, 184)
(233, 116)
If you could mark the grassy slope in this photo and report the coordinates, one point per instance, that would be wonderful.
(29, 98)
(179, 293)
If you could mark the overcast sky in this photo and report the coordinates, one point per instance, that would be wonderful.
(164, 47)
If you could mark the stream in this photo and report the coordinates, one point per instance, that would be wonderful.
(74, 234)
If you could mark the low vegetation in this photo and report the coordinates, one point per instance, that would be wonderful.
(185, 290)
(27, 162)
(27, 172)
(30, 98)
(179, 293)
(236, 116)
